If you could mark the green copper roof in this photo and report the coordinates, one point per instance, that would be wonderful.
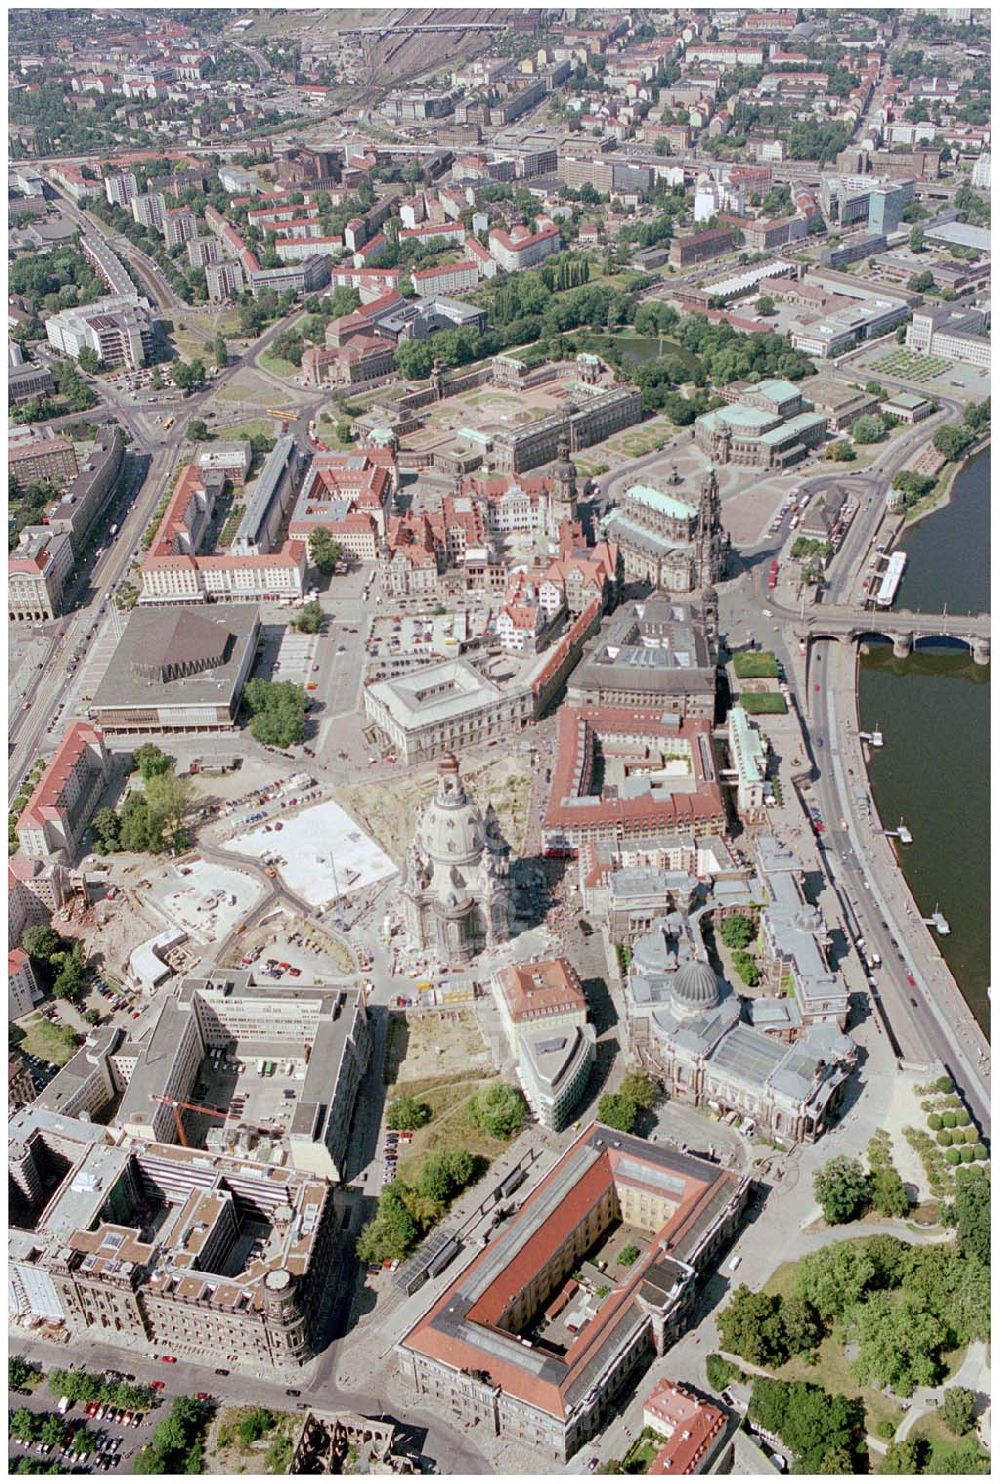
(663, 504)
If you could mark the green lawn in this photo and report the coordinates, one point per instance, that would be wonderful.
(277, 365)
(450, 1127)
(263, 427)
(767, 704)
(755, 665)
(48, 1040)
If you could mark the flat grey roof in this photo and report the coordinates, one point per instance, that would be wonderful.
(121, 687)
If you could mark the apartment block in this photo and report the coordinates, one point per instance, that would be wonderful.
(54, 819)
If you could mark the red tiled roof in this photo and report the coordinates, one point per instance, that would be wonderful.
(44, 801)
(531, 1255)
(534, 990)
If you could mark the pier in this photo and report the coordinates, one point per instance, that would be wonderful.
(901, 834)
(937, 920)
(874, 739)
(895, 566)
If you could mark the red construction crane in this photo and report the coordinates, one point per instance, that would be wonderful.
(176, 1104)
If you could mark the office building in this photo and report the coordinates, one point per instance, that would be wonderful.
(117, 329)
(180, 225)
(444, 708)
(955, 335)
(621, 774)
(657, 652)
(543, 1012)
(37, 569)
(120, 189)
(22, 987)
(148, 210)
(30, 460)
(210, 1257)
(520, 1345)
(223, 279)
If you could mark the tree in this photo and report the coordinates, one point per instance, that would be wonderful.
(641, 1088)
(188, 376)
(324, 552)
(392, 1231)
(69, 981)
(221, 352)
(277, 711)
(920, 283)
(24, 1424)
(167, 799)
(888, 1193)
(837, 1461)
(19, 1372)
(104, 830)
(254, 1423)
(751, 1326)
(407, 1112)
(628, 1255)
(801, 1325)
(414, 359)
(841, 1187)
(151, 760)
(899, 1342)
(617, 1111)
(309, 619)
(444, 1175)
(958, 1410)
(746, 967)
(88, 360)
(765, 304)
(867, 429)
(835, 1277)
(42, 943)
(811, 1422)
(953, 442)
(736, 930)
(917, 243)
(901, 1458)
(971, 1214)
(133, 823)
(197, 430)
(499, 1110)
(840, 452)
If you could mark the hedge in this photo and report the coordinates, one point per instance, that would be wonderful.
(953, 1156)
(935, 1123)
(944, 1138)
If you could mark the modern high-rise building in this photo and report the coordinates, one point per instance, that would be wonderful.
(121, 189)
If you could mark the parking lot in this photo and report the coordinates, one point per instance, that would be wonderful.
(285, 654)
(395, 642)
(321, 853)
(205, 899)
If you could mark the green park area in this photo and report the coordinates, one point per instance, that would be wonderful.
(841, 1342)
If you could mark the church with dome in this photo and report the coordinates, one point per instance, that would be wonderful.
(456, 885)
(689, 1028)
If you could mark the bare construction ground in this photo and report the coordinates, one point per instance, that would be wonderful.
(388, 810)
